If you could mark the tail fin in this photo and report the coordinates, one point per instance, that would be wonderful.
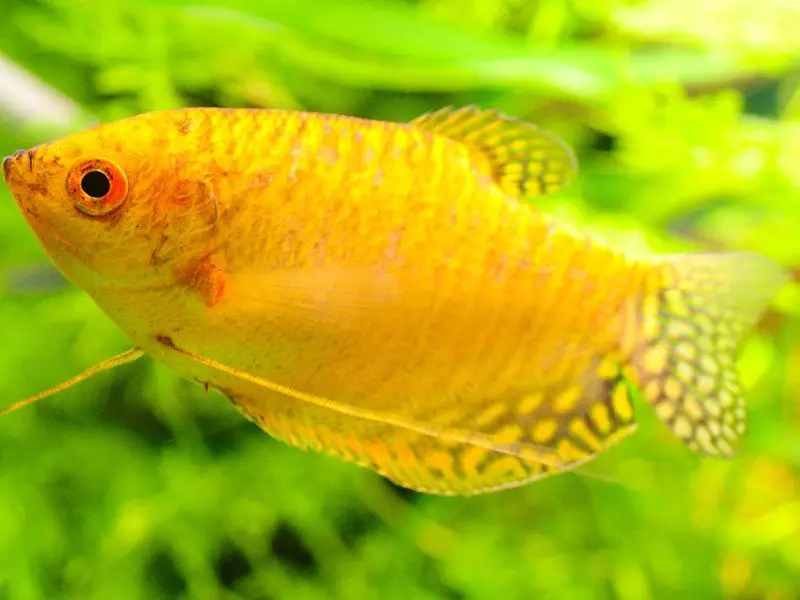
(692, 320)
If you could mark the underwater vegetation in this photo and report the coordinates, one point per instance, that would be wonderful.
(685, 117)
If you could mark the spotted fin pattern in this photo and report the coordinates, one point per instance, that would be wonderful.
(523, 159)
(575, 422)
(697, 310)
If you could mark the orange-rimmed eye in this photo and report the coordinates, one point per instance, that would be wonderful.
(97, 187)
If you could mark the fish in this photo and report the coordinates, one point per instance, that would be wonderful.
(389, 293)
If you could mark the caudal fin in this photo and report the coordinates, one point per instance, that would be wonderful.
(693, 319)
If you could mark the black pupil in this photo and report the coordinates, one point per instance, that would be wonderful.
(95, 184)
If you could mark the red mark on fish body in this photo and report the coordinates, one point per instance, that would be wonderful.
(205, 278)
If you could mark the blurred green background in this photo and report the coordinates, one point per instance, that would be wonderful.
(686, 118)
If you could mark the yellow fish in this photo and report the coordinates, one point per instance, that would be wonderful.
(379, 292)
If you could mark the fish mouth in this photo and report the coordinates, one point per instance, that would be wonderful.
(8, 161)
(17, 169)
(12, 165)
(14, 171)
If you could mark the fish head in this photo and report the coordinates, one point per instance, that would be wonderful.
(116, 204)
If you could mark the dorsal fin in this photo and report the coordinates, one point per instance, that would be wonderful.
(523, 159)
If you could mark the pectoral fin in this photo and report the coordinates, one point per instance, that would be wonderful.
(335, 295)
(340, 296)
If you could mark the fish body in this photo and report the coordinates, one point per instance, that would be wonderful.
(474, 342)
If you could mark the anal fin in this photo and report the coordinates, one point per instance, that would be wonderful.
(574, 427)
(466, 443)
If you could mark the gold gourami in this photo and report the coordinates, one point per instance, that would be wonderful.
(380, 292)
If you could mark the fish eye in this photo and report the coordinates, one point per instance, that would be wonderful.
(96, 184)
(97, 187)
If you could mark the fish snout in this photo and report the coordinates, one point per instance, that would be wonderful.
(11, 163)
(7, 166)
